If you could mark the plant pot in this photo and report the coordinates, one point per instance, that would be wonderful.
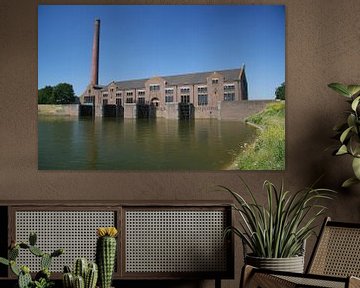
(291, 264)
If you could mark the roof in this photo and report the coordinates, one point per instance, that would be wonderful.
(186, 79)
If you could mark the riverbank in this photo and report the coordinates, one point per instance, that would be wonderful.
(267, 151)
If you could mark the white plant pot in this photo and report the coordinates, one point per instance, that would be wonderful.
(291, 264)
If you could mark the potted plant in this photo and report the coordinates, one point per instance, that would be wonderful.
(42, 278)
(276, 233)
(349, 131)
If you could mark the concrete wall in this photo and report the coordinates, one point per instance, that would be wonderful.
(322, 46)
(242, 109)
(63, 110)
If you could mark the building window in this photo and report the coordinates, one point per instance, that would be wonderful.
(118, 94)
(129, 93)
(129, 100)
(169, 98)
(154, 87)
(202, 89)
(141, 100)
(215, 81)
(89, 99)
(169, 91)
(202, 99)
(169, 95)
(229, 96)
(185, 98)
(184, 90)
(105, 94)
(141, 93)
(112, 90)
(105, 101)
(229, 87)
(118, 101)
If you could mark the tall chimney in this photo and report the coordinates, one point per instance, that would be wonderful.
(95, 54)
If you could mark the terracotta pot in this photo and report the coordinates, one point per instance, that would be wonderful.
(291, 264)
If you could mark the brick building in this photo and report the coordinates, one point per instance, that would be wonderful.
(194, 95)
(199, 94)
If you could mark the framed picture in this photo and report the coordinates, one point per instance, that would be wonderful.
(173, 87)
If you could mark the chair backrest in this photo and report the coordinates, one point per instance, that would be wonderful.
(337, 251)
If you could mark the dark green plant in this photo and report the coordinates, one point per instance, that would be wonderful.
(106, 254)
(349, 131)
(85, 275)
(42, 278)
(279, 229)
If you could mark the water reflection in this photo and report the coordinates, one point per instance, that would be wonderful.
(129, 144)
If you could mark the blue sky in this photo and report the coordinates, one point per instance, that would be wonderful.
(144, 41)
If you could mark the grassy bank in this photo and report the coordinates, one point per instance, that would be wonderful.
(267, 152)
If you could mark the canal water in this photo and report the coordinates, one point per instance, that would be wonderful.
(72, 143)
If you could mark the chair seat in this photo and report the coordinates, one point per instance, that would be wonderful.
(268, 279)
(314, 282)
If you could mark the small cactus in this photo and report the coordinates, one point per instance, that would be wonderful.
(106, 254)
(45, 261)
(79, 282)
(36, 251)
(68, 280)
(24, 278)
(89, 272)
(32, 238)
(80, 268)
(91, 276)
(13, 253)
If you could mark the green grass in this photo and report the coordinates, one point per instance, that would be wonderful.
(267, 152)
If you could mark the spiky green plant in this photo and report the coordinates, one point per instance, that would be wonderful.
(349, 132)
(106, 254)
(279, 229)
(42, 278)
(84, 273)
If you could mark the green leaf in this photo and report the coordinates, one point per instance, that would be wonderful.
(342, 150)
(349, 182)
(354, 145)
(355, 103)
(353, 89)
(345, 134)
(356, 167)
(4, 261)
(340, 88)
(351, 120)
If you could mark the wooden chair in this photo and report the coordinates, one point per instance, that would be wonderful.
(334, 263)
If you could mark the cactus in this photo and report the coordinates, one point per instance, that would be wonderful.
(32, 238)
(13, 253)
(79, 282)
(24, 279)
(68, 280)
(42, 278)
(36, 251)
(14, 268)
(105, 254)
(80, 267)
(45, 261)
(91, 276)
(89, 272)
(4, 261)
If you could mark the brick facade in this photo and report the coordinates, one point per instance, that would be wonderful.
(202, 92)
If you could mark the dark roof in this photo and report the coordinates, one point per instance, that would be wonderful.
(186, 79)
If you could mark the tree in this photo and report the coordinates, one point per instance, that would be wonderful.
(280, 92)
(63, 94)
(45, 95)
